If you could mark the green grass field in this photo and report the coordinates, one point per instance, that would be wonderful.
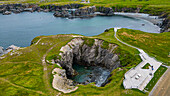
(146, 66)
(156, 77)
(156, 45)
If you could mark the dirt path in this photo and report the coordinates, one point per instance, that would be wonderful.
(2, 79)
(46, 77)
(162, 87)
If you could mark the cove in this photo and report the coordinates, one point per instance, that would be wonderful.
(90, 74)
(20, 29)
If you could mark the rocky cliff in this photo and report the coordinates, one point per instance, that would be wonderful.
(60, 81)
(78, 51)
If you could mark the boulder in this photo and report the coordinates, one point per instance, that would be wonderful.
(165, 27)
(13, 47)
(6, 13)
(28, 9)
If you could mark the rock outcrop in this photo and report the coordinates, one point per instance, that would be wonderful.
(1, 50)
(107, 11)
(7, 50)
(61, 83)
(76, 51)
(84, 12)
(165, 27)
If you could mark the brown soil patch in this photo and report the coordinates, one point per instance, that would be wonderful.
(126, 34)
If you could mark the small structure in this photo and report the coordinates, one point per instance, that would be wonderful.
(137, 77)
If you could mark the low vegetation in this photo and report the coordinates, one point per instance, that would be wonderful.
(156, 45)
(105, 45)
(26, 71)
(156, 77)
(88, 41)
(146, 66)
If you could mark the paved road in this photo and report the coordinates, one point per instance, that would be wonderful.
(162, 88)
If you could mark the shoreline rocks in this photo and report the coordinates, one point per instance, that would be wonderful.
(6, 13)
(75, 11)
(165, 27)
(7, 50)
(1, 50)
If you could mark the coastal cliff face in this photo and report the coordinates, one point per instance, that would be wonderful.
(78, 52)
(87, 52)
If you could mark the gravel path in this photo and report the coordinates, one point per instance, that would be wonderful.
(46, 77)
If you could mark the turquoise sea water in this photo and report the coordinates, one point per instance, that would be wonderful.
(90, 74)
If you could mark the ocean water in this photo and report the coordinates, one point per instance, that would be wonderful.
(20, 29)
(91, 74)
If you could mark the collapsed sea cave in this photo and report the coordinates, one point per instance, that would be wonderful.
(88, 74)
(86, 63)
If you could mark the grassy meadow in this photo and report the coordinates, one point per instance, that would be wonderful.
(156, 45)
(156, 77)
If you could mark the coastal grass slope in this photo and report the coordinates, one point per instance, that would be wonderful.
(156, 45)
(22, 72)
(24, 69)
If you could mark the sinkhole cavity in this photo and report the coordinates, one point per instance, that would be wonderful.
(89, 74)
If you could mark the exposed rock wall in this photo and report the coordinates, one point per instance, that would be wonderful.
(80, 13)
(7, 50)
(60, 81)
(78, 52)
(165, 27)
